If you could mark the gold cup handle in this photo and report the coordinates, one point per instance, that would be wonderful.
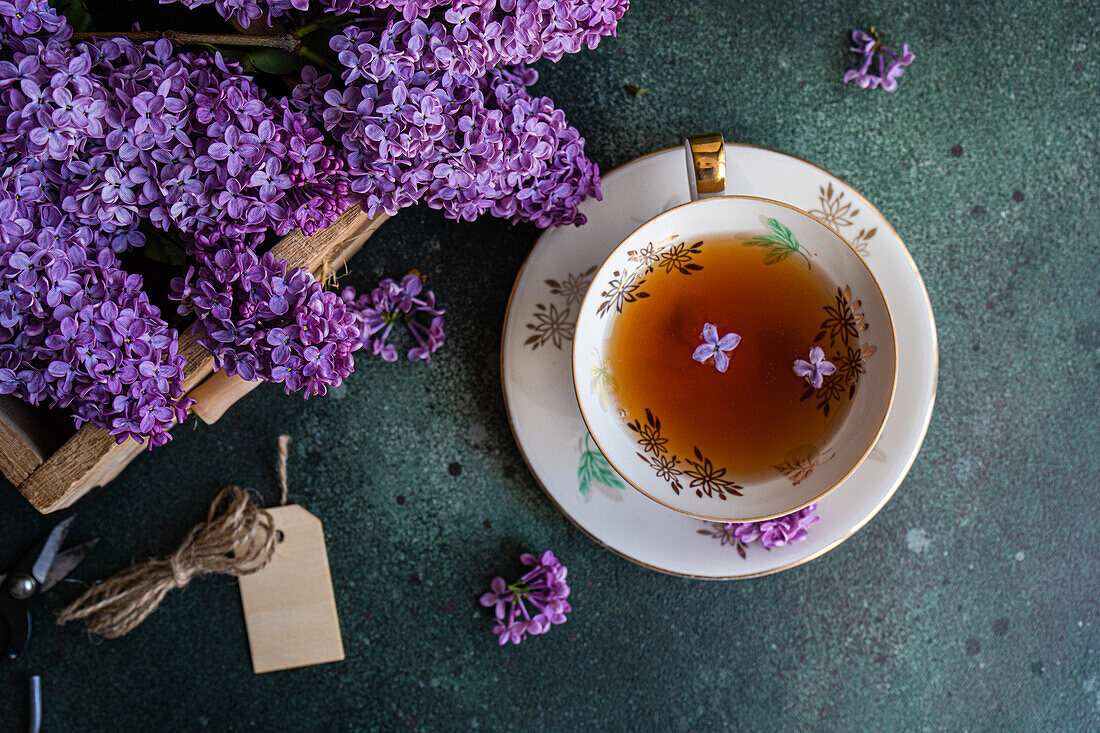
(706, 162)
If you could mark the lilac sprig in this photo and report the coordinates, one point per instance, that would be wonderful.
(543, 587)
(392, 304)
(773, 533)
(261, 322)
(872, 50)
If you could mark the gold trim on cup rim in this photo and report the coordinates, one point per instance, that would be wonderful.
(882, 420)
(801, 561)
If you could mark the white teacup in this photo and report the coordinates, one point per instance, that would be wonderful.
(691, 484)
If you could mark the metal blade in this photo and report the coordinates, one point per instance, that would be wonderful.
(65, 563)
(49, 550)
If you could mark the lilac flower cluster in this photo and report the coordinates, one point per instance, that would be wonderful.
(261, 322)
(98, 137)
(77, 332)
(543, 587)
(391, 304)
(871, 48)
(413, 129)
(465, 36)
(135, 131)
(775, 532)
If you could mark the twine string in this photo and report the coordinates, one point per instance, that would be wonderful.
(237, 538)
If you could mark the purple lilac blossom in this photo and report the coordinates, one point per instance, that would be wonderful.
(393, 303)
(77, 332)
(466, 36)
(261, 322)
(716, 348)
(774, 532)
(415, 124)
(872, 50)
(816, 369)
(543, 587)
(97, 137)
(125, 132)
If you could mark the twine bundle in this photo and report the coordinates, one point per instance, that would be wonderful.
(237, 538)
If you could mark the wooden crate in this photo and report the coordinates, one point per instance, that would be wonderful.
(53, 476)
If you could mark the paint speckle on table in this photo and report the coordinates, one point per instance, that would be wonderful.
(917, 540)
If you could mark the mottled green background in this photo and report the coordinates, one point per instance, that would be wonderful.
(970, 601)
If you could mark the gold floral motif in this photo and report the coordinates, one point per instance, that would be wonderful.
(837, 213)
(703, 475)
(724, 534)
(625, 285)
(679, 257)
(553, 324)
(859, 241)
(706, 478)
(649, 434)
(573, 286)
(643, 257)
(623, 289)
(844, 320)
(801, 463)
(852, 363)
(667, 468)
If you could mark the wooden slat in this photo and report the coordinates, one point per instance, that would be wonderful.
(20, 450)
(92, 458)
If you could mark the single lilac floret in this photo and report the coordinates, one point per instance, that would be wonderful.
(816, 369)
(716, 348)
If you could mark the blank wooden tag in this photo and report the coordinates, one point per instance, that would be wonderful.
(289, 606)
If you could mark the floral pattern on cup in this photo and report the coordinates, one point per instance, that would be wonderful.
(700, 474)
(840, 334)
(603, 381)
(779, 244)
(800, 463)
(625, 286)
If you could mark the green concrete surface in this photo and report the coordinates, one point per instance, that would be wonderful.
(969, 603)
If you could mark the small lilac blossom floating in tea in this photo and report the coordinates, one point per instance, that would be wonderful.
(776, 532)
(544, 587)
(871, 48)
(716, 348)
(816, 369)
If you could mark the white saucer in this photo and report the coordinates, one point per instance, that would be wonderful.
(538, 386)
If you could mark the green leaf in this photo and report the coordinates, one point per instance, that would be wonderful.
(274, 61)
(784, 234)
(76, 12)
(594, 469)
(780, 244)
